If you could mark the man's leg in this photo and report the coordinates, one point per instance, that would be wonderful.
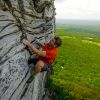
(39, 65)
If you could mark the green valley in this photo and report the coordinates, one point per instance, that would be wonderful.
(77, 66)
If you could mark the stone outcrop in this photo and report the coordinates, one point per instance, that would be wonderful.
(31, 19)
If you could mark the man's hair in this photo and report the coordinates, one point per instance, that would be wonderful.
(58, 41)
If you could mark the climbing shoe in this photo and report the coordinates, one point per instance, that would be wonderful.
(30, 79)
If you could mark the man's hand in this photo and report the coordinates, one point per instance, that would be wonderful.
(26, 42)
(40, 53)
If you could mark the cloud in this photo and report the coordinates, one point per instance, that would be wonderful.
(78, 9)
(59, 1)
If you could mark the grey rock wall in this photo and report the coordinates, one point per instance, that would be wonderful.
(22, 18)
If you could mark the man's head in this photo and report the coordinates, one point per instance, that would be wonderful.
(55, 42)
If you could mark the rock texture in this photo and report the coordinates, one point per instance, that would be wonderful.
(31, 19)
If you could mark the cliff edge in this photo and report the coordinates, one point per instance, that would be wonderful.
(31, 19)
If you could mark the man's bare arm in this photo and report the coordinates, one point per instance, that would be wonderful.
(40, 53)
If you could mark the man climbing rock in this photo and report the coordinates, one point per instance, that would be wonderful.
(45, 56)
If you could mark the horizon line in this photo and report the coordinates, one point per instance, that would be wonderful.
(74, 19)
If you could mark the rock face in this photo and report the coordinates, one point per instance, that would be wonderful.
(32, 19)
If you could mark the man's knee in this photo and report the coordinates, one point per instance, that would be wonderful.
(39, 65)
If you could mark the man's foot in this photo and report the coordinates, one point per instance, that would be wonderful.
(30, 79)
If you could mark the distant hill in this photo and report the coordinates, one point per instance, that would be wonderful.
(78, 22)
(89, 26)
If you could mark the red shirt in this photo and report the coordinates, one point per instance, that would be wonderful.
(50, 55)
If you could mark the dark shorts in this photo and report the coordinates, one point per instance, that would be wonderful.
(32, 60)
(47, 67)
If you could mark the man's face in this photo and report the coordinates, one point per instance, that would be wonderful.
(52, 44)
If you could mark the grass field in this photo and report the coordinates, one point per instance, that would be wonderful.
(78, 34)
(77, 67)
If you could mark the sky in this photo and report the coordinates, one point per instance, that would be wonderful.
(78, 9)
